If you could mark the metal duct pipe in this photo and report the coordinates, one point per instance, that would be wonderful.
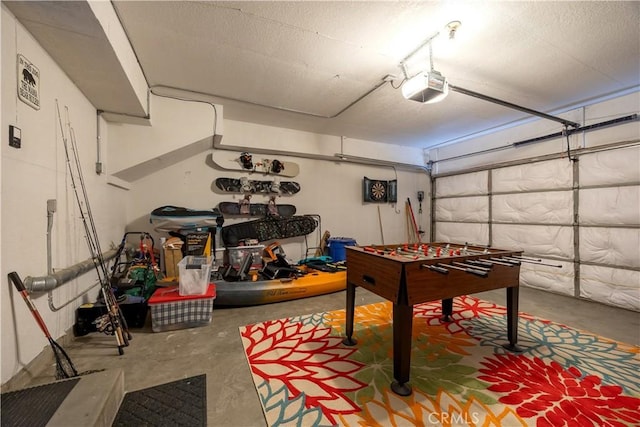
(57, 279)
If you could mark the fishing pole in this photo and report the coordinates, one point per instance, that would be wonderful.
(115, 317)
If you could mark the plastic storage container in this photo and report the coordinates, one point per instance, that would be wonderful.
(171, 311)
(194, 274)
(337, 250)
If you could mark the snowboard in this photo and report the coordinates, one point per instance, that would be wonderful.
(245, 185)
(247, 162)
(269, 228)
(245, 207)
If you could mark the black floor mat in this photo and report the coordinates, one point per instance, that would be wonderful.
(34, 406)
(178, 403)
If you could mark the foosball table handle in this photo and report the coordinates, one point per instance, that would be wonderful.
(437, 269)
(481, 273)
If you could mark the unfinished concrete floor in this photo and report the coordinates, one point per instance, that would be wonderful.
(216, 350)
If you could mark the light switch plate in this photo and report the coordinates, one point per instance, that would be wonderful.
(15, 136)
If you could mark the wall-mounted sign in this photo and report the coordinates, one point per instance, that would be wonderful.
(28, 82)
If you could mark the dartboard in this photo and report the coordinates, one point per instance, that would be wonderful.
(375, 190)
(378, 190)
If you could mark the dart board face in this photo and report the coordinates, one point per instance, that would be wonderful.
(375, 190)
(378, 191)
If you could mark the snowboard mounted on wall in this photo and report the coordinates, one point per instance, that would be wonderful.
(244, 207)
(247, 162)
(246, 185)
(269, 228)
(175, 218)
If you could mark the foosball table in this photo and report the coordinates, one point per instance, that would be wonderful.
(411, 274)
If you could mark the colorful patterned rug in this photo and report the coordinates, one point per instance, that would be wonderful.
(460, 373)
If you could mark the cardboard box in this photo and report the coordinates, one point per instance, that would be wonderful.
(171, 311)
(171, 259)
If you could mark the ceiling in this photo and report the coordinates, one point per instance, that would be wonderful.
(306, 64)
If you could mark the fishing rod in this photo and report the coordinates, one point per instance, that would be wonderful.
(115, 317)
(113, 305)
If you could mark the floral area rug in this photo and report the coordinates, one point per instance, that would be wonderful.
(460, 373)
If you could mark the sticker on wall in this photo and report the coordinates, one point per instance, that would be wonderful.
(378, 191)
(28, 83)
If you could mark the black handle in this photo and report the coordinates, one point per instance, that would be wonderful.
(437, 269)
(369, 279)
(480, 273)
(17, 282)
(480, 263)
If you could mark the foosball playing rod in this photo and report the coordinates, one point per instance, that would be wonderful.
(516, 258)
(506, 261)
(466, 270)
(498, 262)
(533, 262)
(477, 262)
(527, 258)
(461, 264)
(410, 252)
(431, 251)
(473, 251)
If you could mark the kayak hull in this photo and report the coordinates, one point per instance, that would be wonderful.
(278, 290)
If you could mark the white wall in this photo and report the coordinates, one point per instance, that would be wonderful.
(34, 174)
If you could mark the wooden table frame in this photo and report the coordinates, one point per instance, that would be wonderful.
(405, 282)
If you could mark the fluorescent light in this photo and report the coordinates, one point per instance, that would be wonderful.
(426, 87)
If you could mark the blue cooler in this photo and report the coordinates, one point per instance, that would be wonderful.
(337, 250)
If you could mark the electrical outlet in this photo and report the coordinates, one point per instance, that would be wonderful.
(15, 136)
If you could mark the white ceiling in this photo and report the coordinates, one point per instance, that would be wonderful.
(266, 59)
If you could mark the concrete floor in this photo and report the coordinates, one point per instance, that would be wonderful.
(216, 350)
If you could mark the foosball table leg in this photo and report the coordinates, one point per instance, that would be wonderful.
(351, 302)
(512, 320)
(447, 310)
(402, 331)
